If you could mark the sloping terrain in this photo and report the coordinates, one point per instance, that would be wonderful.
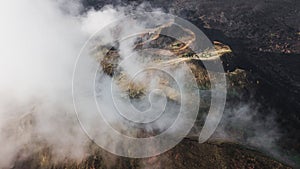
(188, 154)
(264, 65)
(265, 40)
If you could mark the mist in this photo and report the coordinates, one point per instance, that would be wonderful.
(248, 124)
(39, 47)
(40, 42)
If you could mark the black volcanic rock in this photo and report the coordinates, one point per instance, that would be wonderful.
(265, 39)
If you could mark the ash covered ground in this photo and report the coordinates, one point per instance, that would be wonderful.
(264, 38)
(261, 121)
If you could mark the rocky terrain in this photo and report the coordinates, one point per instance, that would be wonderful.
(265, 40)
(188, 154)
(263, 67)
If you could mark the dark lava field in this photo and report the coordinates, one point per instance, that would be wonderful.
(263, 71)
(265, 40)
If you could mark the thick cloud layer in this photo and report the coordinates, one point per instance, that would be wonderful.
(39, 44)
(40, 41)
